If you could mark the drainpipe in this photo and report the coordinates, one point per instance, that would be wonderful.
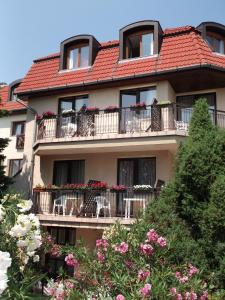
(33, 111)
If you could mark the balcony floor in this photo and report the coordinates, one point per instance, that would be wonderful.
(81, 222)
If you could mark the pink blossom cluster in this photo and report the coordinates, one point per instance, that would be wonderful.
(191, 271)
(100, 257)
(55, 250)
(142, 275)
(120, 297)
(146, 249)
(71, 261)
(145, 291)
(58, 290)
(153, 236)
(102, 244)
(122, 248)
(187, 295)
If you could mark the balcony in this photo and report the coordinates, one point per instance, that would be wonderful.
(90, 208)
(20, 139)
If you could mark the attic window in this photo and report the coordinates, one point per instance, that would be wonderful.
(216, 42)
(78, 51)
(139, 44)
(12, 96)
(78, 56)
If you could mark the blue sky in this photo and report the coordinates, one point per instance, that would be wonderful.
(34, 28)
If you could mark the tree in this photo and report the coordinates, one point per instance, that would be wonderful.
(5, 181)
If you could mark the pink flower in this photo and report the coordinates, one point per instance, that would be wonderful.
(102, 244)
(146, 249)
(161, 241)
(179, 297)
(120, 297)
(193, 296)
(129, 264)
(101, 257)
(142, 275)
(187, 296)
(178, 275)
(145, 291)
(69, 284)
(192, 270)
(204, 296)
(122, 248)
(71, 261)
(173, 291)
(152, 235)
(183, 279)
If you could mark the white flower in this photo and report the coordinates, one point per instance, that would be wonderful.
(36, 258)
(24, 205)
(18, 230)
(5, 261)
(2, 212)
(22, 243)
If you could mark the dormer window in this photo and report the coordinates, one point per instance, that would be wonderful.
(12, 96)
(78, 56)
(139, 44)
(214, 34)
(140, 39)
(78, 52)
(216, 42)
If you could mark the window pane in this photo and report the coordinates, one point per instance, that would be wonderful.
(73, 58)
(148, 96)
(80, 102)
(222, 47)
(129, 98)
(61, 236)
(147, 44)
(84, 56)
(133, 46)
(14, 166)
(65, 105)
(146, 171)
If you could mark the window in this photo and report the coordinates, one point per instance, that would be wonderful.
(78, 57)
(131, 97)
(217, 42)
(186, 103)
(18, 128)
(15, 166)
(73, 103)
(62, 236)
(139, 45)
(13, 96)
(68, 171)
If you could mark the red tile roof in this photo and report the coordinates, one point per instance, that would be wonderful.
(8, 105)
(181, 47)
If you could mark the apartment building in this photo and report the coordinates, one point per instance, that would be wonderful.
(13, 128)
(109, 119)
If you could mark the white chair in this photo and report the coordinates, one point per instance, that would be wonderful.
(59, 203)
(133, 124)
(69, 129)
(181, 125)
(102, 203)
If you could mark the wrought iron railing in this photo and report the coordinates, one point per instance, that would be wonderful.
(91, 203)
(121, 121)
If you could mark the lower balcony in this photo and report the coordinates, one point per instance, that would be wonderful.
(93, 208)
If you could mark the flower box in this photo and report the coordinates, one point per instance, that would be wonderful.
(111, 109)
(138, 106)
(48, 115)
(118, 188)
(142, 188)
(68, 112)
(89, 110)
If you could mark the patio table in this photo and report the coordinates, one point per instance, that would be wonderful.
(128, 202)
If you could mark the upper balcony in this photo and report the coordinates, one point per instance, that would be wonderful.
(160, 121)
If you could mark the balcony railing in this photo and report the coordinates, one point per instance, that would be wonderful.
(20, 139)
(91, 204)
(121, 122)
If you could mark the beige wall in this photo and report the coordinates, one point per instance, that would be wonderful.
(89, 236)
(102, 166)
(5, 132)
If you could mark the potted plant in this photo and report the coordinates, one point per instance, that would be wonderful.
(48, 115)
(143, 188)
(118, 188)
(138, 106)
(89, 110)
(68, 112)
(111, 109)
(100, 186)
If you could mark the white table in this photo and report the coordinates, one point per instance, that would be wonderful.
(128, 202)
(73, 199)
